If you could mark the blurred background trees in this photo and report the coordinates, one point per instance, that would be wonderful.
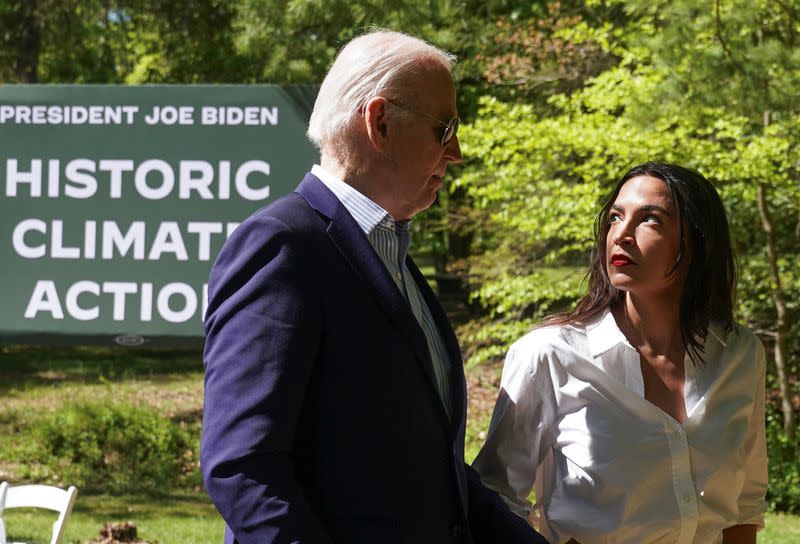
(559, 99)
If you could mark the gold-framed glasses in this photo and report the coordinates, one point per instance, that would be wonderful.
(450, 126)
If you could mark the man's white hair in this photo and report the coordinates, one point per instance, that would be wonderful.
(364, 68)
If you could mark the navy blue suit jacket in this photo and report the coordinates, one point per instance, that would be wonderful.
(322, 422)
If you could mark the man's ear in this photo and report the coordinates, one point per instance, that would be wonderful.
(375, 117)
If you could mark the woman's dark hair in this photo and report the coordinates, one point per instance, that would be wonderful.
(708, 293)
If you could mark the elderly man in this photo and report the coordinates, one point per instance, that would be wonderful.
(335, 400)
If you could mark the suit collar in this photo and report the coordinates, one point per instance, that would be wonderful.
(318, 195)
(367, 213)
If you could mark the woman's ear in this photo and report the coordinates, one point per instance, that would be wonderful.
(376, 120)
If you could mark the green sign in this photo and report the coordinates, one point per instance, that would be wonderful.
(116, 200)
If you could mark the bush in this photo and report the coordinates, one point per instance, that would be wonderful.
(113, 446)
(784, 467)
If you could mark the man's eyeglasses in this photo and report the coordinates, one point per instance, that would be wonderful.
(450, 127)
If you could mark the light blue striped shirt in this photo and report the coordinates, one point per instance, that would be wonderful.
(391, 240)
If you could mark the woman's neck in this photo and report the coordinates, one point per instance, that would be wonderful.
(651, 324)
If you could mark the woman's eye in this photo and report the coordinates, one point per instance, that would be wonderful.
(614, 217)
(651, 219)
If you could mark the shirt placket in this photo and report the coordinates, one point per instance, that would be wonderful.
(422, 313)
(682, 481)
(683, 486)
(386, 242)
(403, 238)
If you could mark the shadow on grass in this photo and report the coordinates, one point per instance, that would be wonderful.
(22, 367)
(146, 506)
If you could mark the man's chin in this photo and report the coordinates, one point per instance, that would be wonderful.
(434, 185)
(426, 203)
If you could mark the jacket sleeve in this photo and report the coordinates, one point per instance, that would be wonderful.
(262, 336)
(490, 519)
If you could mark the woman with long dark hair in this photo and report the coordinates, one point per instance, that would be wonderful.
(639, 416)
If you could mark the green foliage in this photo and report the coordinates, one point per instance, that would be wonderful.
(516, 303)
(740, 53)
(295, 41)
(784, 470)
(538, 177)
(183, 41)
(514, 295)
(113, 447)
(487, 340)
(115, 41)
(555, 50)
(55, 41)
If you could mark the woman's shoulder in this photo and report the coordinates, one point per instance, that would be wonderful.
(739, 343)
(549, 340)
(737, 337)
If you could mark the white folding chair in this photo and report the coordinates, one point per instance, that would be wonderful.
(38, 496)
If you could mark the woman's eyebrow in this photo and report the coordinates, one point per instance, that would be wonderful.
(655, 208)
(645, 208)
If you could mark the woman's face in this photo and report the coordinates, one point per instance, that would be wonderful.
(643, 240)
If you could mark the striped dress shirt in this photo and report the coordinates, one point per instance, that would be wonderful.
(391, 240)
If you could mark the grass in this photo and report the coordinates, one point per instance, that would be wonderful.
(36, 380)
(780, 529)
(185, 518)
(190, 519)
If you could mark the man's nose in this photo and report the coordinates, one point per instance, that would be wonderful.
(452, 151)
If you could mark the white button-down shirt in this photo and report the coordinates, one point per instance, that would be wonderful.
(611, 467)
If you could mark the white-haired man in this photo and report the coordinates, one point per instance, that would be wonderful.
(335, 401)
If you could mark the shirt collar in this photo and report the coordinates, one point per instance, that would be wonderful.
(603, 334)
(365, 211)
(397, 227)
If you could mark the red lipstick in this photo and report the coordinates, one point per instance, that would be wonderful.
(618, 259)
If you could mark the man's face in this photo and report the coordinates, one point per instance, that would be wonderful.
(419, 159)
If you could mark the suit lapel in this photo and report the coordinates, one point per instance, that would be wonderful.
(359, 253)
(442, 322)
(459, 386)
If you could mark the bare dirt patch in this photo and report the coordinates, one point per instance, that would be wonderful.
(113, 533)
(483, 383)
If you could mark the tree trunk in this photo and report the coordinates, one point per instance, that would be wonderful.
(27, 64)
(779, 300)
